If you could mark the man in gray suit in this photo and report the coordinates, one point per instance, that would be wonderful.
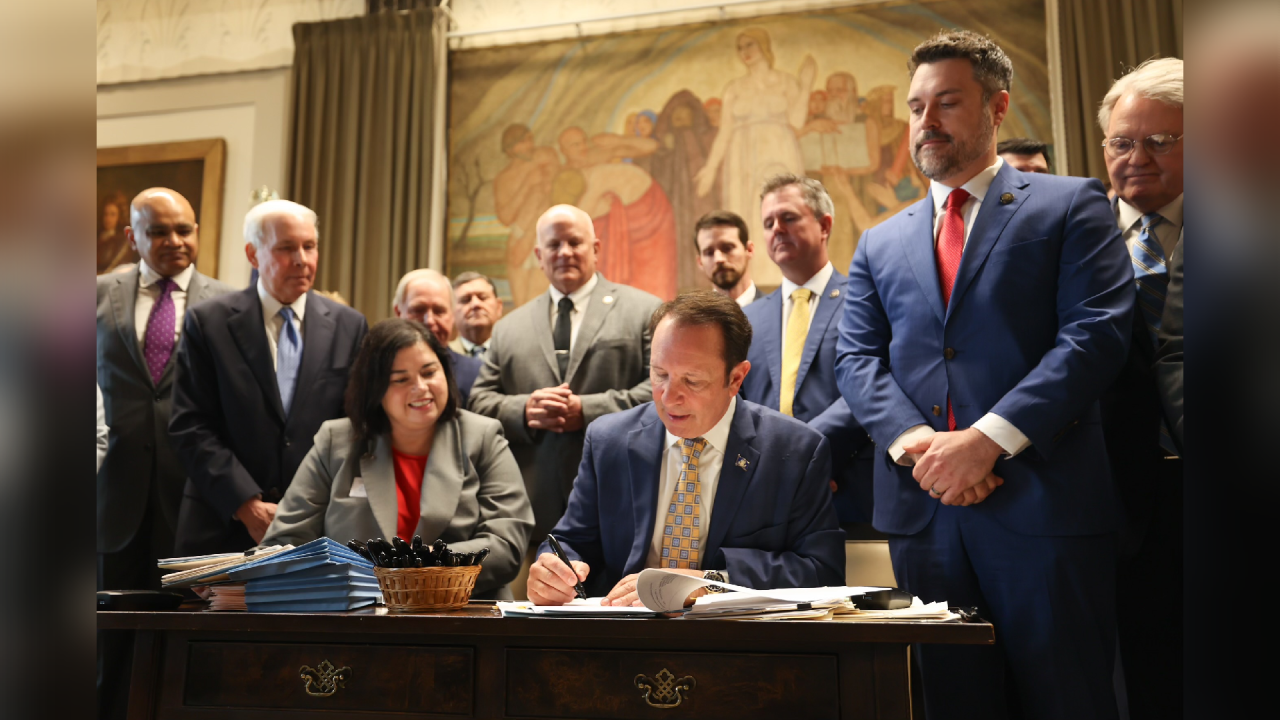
(565, 358)
(139, 321)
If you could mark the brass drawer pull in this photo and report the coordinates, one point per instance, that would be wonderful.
(325, 679)
(664, 688)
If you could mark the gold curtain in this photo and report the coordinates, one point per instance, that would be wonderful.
(361, 148)
(1100, 40)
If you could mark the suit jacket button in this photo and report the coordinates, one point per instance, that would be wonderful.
(949, 354)
(937, 410)
(286, 442)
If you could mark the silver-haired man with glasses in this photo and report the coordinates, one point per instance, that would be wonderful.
(1142, 118)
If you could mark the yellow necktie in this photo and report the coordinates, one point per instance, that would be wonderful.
(793, 347)
(682, 532)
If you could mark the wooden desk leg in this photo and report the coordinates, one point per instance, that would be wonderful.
(893, 682)
(143, 682)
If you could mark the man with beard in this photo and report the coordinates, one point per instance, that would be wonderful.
(724, 255)
(980, 327)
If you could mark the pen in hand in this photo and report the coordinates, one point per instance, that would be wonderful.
(555, 547)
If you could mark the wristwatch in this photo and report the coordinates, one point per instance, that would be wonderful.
(717, 576)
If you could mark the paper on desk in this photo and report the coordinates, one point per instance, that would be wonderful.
(589, 607)
(935, 611)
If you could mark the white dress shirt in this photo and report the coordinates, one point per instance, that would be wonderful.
(709, 465)
(748, 296)
(580, 298)
(815, 285)
(1167, 232)
(272, 322)
(470, 347)
(1009, 438)
(149, 293)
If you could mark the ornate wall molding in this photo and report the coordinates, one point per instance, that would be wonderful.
(156, 39)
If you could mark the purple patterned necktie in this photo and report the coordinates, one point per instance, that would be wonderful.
(158, 345)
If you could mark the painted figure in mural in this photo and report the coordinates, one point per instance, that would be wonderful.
(763, 110)
(521, 193)
(630, 211)
(685, 136)
(113, 246)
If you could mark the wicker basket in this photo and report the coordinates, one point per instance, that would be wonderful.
(422, 589)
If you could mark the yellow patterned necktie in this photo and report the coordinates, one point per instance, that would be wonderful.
(793, 348)
(682, 533)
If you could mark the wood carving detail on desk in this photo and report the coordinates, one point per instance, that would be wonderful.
(664, 687)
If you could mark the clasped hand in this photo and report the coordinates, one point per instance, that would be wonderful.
(956, 467)
(556, 409)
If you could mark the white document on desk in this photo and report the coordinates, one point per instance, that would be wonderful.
(589, 607)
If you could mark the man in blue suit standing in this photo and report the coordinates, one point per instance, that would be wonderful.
(795, 329)
(697, 481)
(980, 327)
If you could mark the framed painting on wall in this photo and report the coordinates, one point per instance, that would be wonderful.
(647, 131)
(194, 168)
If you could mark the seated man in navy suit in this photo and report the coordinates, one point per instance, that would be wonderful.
(742, 489)
(426, 296)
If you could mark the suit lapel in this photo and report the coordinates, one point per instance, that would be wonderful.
(771, 327)
(247, 329)
(644, 453)
(599, 304)
(734, 480)
(379, 477)
(317, 336)
(124, 299)
(917, 243)
(542, 331)
(824, 316)
(992, 218)
(196, 290)
(442, 481)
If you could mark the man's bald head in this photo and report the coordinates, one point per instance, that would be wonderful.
(567, 247)
(162, 228)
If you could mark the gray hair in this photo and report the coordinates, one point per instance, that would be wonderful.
(813, 192)
(402, 289)
(255, 221)
(1157, 79)
(468, 276)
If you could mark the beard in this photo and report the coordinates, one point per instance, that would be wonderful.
(725, 278)
(944, 161)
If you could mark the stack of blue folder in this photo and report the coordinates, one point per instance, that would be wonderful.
(320, 576)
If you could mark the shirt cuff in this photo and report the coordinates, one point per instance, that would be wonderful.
(1003, 433)
(910, 436)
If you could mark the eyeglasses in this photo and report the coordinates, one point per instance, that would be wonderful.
(1159, 144)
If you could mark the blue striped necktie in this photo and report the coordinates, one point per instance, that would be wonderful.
(1151, 275)
(288, 358)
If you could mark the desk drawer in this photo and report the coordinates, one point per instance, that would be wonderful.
(738, 686)
(393, 679)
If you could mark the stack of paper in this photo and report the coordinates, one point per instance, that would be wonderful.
(320, 576)
(919, 611)
(589, 607)
(229, 596)
(208, 569)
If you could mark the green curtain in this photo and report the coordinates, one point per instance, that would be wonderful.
(361, 148)
(1100, 41)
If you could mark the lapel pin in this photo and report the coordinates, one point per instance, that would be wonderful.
(1006, 198)
(608, 300)
(742, 463)
(835, 293)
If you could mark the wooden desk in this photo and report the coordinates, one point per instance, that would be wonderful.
(472, 663)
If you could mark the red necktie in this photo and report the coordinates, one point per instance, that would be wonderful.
(949, 249)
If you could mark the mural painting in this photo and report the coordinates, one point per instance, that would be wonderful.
(648, 131)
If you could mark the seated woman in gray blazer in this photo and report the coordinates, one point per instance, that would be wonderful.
(408, 461)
